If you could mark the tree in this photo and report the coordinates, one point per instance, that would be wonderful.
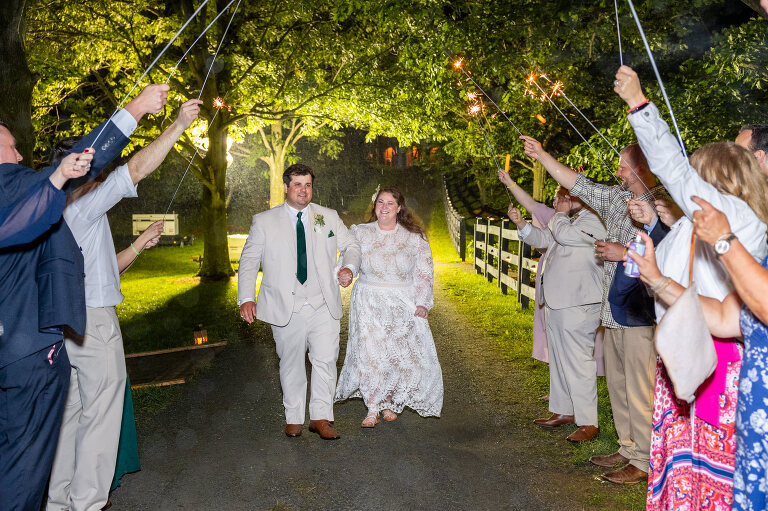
(16, 79)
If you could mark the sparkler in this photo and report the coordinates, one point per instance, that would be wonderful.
(544, 94)
(618, 31)
(561, 92)
(658, 78)
(178, 33)
(218, 103)
(458, 64)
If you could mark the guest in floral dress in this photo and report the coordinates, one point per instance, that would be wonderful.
(391, 361)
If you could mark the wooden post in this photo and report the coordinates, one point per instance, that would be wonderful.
(463, 239)
(503, 264)
(519, 289)
(487, 255)
(525, 275)
(478, 269)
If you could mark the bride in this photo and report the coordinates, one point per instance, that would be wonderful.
(391, 361)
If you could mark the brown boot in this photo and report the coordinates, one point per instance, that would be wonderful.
(609, 460)
(628, 474)
(324, 429)
(556, 420)
(293, 430)
(584, 434)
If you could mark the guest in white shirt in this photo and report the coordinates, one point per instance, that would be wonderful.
(87, 448)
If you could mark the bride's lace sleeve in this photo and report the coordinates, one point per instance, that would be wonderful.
(423, 273)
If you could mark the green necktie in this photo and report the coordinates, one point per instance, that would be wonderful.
(301, 251)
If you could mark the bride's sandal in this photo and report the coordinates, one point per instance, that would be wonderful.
(370, 421)
(388, 415)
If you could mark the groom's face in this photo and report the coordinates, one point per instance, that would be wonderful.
(298, 193)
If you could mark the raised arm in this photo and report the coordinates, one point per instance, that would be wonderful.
(562, 174)
(147, 239)
(749, 278)
(148, 159)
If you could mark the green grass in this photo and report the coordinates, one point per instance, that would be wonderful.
(164, 302)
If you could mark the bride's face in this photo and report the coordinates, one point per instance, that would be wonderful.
(387, 208)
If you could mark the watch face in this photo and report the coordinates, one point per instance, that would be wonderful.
(722, 246)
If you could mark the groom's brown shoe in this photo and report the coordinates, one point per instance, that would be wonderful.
(293, 430)
(324, 429)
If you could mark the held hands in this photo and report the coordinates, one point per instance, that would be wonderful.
(188, 113)
(609, 251)
(150, 237)
(345, 277)
(421, 312)
(649, 270)
(151, 101)
(248, 311)
(532, 147)
(709, 223)
(641, 211)
(668, 211)
(627, 86)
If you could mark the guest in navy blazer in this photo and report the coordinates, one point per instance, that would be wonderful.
(41, 294)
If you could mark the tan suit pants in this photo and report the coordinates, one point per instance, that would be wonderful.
(84, 464)
(630, 368)
(572, 366)
(316, 331)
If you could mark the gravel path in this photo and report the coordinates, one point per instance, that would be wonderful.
(221, 445)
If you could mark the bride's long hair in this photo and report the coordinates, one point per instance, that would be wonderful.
(405, 217)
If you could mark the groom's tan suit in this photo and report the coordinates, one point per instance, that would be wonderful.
(303, 316)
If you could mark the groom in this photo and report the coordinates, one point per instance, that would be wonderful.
(295, 244)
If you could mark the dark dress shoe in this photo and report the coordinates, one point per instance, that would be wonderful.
(584, 434)
(293, 430)
(609, 460)
(324, 429)
(628, 474)
(107, 505)
(556, 420)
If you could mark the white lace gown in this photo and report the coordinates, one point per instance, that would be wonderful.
(391, 361)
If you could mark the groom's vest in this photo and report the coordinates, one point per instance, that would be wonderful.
(310, 291)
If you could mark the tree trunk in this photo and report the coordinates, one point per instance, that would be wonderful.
(16, 80)
(276, 164)
(216, 265)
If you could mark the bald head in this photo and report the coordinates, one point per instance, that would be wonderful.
(8, 152)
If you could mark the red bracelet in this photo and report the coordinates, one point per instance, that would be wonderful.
(631, 110)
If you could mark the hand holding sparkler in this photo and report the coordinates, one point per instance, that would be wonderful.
(668, 211)
(627, 86)
(642, 211)
(188, 113)
(532, 147)
(516, 216)
(505, 178)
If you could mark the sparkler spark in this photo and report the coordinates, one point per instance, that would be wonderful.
(458, 62)
(531, 78)
(218, 103)
(557, 89)
(472, 95)
(474, 109)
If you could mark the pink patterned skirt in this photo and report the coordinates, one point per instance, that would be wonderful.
(685, 473)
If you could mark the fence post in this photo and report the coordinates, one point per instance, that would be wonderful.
(463, 239)
(503, 264)
(519, 290)
(477, 238)
(488, 277)
(525, 275)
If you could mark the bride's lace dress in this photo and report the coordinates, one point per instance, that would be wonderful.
(391, 361)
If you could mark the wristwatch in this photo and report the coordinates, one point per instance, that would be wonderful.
(723, 243)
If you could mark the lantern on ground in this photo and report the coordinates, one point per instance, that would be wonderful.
(201, 335)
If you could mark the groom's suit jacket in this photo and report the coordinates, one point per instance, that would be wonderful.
(271, 245)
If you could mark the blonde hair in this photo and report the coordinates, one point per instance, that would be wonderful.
(734, 170)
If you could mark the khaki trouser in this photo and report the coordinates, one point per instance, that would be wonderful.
(572, 366)
(316, 331)
(630, 367)
(90, 430)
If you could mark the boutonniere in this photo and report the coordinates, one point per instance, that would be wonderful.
(319, 223)
(331, 235)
